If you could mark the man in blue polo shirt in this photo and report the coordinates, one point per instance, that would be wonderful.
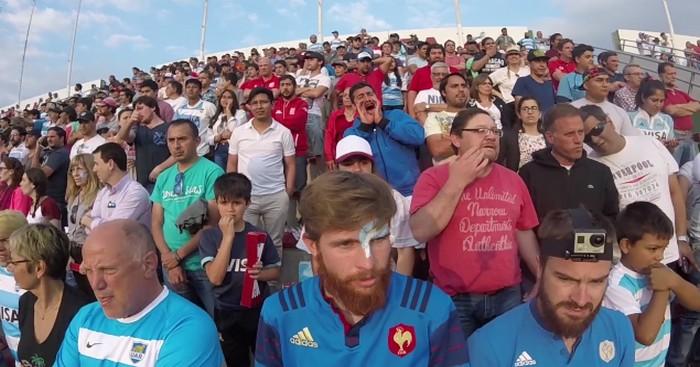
(356, 312)
(565, 325)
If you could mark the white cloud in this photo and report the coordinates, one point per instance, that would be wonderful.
(118, 40)
(253, 17)
(357, 15)
(123, 5)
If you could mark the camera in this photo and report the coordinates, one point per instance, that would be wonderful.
(589, 241)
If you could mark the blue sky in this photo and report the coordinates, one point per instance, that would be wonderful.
(117, 34)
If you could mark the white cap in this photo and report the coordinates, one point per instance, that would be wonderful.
(352, 145)
(364, 55)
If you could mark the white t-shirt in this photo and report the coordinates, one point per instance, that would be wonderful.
(438, 123)
(318, 80)
(429, 96)
(177, 102)
(238, 119)
(83, 146)
(201, 114)
(505, 80)
(260, 156)
(640, 171)
(619, 117)
(21, 153)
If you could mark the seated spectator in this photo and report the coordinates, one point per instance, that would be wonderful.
(427, 97)
(19, 150)
(648, 117)
(482, 97)
(504, 78)
(681, 107)
(452, 58)
(526, 136)
(487, 60)
(571, 84)
(11, 195)
(44, 209)
(625, 97)
(438, 123)
(38, 258)
(83, 186)
(134, 304)
(10, 221)
(223, 250)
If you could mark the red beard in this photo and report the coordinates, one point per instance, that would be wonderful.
(359, 301)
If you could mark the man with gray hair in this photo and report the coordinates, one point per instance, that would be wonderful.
(266, 79)
(625, 96)
(426, 99)
(136, 319)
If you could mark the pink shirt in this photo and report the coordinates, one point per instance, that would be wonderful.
(20, 202)
(477, 252)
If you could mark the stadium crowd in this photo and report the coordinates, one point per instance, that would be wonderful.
(492, 203)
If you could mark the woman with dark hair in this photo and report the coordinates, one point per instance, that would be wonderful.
(649, 117)
(44, 209)
(482, 97)
(11, 196)
(518, 144)
(228, 117)
(393, 88)
(38, 258)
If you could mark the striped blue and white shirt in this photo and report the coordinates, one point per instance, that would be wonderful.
(9, 309)
(629, 293)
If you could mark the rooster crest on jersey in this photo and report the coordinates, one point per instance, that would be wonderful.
(606, 349)
(402, 340)
(137, 352)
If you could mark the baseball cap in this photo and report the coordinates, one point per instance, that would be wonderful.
(351, 146)
(334, 32)
(339, 62)
(590, 74)
(313, 55)
(364, 55)
(589, 241)
(86, 117)
(536, 55)
(513, 49)
(109, 101)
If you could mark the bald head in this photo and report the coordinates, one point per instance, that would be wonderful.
(125, 235)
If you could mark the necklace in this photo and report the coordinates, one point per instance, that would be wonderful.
(46, 311)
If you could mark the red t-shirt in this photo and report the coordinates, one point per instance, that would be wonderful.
(561, 65)
(674, 97)
(421, 79)
(337, 124)
(375, 78)
(272, 83)
(477, 252)
(293, 115)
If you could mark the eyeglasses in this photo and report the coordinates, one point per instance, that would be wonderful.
(530, 109)
(16, 262)
(179, 184)
(484, 131)
(595, 131)
(637, 74)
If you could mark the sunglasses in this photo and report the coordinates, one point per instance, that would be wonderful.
(595, 131)
(179, 184)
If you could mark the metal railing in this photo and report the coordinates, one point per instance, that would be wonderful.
(656, 51)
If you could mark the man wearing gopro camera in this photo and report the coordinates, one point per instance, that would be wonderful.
(565, 324)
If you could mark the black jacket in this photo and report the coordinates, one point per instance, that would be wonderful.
(509, 152)
(588, 184)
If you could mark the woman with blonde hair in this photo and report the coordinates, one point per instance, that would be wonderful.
(82, 189)
(38, 259)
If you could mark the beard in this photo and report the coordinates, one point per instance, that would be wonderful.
(359, 301)
(561, 325)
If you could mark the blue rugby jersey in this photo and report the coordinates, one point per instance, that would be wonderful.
(518, 339)
(169, 332)
(418, 326)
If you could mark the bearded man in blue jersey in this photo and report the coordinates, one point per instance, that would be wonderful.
(136, 320)
(356, 312)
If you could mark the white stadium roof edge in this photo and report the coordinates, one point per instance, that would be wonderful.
(440, 34)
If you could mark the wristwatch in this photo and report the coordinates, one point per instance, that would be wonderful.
(427, 107)
(682, 238)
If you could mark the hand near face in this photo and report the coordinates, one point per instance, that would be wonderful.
(661, 278)
(469, 166)
(226, 226)
(365, 117)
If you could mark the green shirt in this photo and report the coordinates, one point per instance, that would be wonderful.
(198, 182)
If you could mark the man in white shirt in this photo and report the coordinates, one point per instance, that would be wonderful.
(643, 170)
(91, 140)
(597, 85)
(312, 86)
(19, 150)
(173, 94)
(314, 45)
(439, 122)
(263, 150)
(335, 42)
(199, 111)
(425, 99)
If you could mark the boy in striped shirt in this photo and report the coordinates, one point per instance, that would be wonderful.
(640, 286)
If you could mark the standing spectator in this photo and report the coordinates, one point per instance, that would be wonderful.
(393, 135)
(107, 114)
(11, 172)
(452, 58)
(648, 117)
(609, 61)
(312, 86)
(486, 211)
(422, 79)
(596, 85)
(525, 138)
(44, 209)
(149, 88)
(430, 100)
(173, 92)
(265, 79)
(229, 115)
(681, 107)
(18, 135)
(504, 78)
(504, 41)
(393, 88)
(365, 72)
(564, 62)
(625, 97)
(147, 132)
(39, 254)
(542, 42)
(200, 112)
(208, 89)
(189, 181)
(653, 178)
(561, 176)
(90, 140)
(83, 186)
(263, 150)
(10, 221)
(120, 197)
(53, 159)
(528, 41)
(487, 60)
(339, 121)
(536, 85)
(571, 84)
(437, 125)
(482, 97)
(223, 250)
